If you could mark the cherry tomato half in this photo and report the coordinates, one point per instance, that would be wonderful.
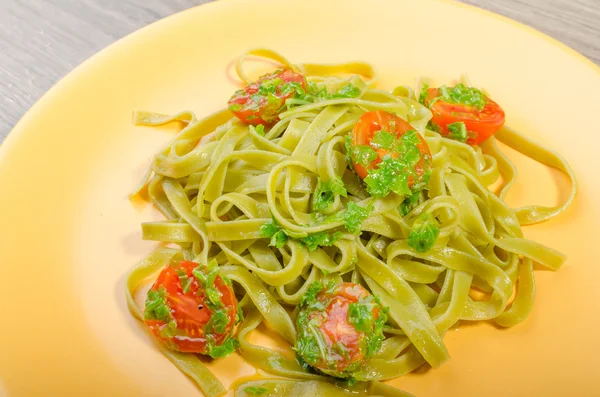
(187, 315)
(480, 123)
(339, 328)
(259, 102)
(372, 122)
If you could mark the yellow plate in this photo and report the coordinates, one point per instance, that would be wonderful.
(69, 234)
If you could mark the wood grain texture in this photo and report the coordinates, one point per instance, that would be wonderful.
(42, 40)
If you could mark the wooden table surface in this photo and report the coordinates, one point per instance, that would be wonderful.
(42, 40)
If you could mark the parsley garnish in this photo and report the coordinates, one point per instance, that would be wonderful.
(292, 86)
(392, 173)
(320, 239)
(433, 127)
(390, 176)
(314, 94)
(324, 194)
(409, 203)
(279, 236)
(275, 232)
(156, 305)
(260, 129)
(308, 347)
(363, 154)
(255, 390)
(239, 316)
(347, 91)
(205, 275)
(348, 145)
(423, 94)
(235, 107)
(184, 280)
(218, 322)
(424, 233)
(463, 95)
(383, 139)
(360, 315)
(311, 293)
(352, 216)
(458, 131)
(168, 331)
(269, 85)
(224, 349)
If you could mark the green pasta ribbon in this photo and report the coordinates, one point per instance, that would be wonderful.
(280, 208)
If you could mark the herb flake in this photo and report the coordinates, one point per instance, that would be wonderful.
(424, 233)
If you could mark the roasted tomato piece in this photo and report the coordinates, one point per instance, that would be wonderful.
(339, 328)
(192, 309)
(388, 154)
(260, 101)
(463, 113)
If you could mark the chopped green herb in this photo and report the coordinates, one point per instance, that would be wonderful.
(383, 139)
(168, 331)
(218, 322)
(409, 139)
(156, 306)
(269, 86)
(353, 216)
(341, 349)
(206, 275)
(348, 145)
(273, 100)
(279, 239)
(292, 87)
(256, 98)
(423, 94)
(392, 173)
(185, 285)
(313, 93)
(320, 239)
(324, 197)
(184, 280)
(308, 348)
(260, 129)
(363, 154)
(424, 233)
(275, 232)
(224, 349)
(347, 91)
(433, 127)
(239, 316)
(409, 203)
(351, 381)
(463, 95)
(311, 293)
(360, 315)
(279, 236)
(236, 107)
(373, 341)
(458, 131)
(255, 390)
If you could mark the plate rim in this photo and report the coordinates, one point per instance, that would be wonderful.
(19, 128)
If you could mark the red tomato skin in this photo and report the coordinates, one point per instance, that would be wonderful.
(262, 112)
(480, 124)
(185, 310)
(374, 121)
